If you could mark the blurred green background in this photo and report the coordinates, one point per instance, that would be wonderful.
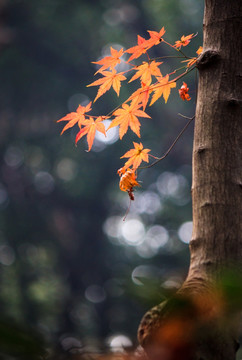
(73, 274)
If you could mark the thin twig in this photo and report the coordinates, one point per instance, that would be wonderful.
(172, 145)
(167, 57)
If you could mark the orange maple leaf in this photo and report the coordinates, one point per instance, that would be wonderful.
(110, 61)
(146, 70)
(199, 50)
(127, 116)
(110, 78)
(137, 50)
(190, 62)
(90, 128)
(183, 92)
(75, 117)
(127, 180)
(193, 60)
(162, 88)
(185, 40)
(155, 37)
(136, 156)
(141, 95)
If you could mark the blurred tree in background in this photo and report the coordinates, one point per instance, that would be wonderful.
(70, 266)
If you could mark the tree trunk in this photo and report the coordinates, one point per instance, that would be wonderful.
(217, 153)
(216, 242)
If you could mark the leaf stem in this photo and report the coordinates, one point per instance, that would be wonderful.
(172, 145)
(155, 86)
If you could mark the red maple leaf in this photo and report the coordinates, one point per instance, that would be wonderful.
(183, 92)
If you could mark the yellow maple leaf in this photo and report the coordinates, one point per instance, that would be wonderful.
(110, 78)
(162, 88)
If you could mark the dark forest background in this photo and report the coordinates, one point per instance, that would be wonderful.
(73, 276)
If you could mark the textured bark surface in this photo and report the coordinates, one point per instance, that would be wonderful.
(216, 242)
(217, 152)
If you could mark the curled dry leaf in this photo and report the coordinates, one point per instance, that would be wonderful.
(183, 92)
(127, 179)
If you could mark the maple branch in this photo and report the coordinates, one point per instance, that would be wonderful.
(173, 144)
(188, 57)
(183, 74)
(157, 85)
(180, 68)
(168, 57)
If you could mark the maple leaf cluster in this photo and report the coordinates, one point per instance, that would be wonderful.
(152, 86)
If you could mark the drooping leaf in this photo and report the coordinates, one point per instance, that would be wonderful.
(126, 117)
(110, 61)
(146, 70)
(90, 128)
(110, 78)
(76, 117)
(163, 87)
(185, 40)
(136, 156)
(127, 179)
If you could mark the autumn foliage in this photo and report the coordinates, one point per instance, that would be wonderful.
(152, 85)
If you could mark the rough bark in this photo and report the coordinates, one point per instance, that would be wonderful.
(216, 242)
(217, 152)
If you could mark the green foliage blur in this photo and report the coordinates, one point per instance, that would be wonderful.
(70, 268)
